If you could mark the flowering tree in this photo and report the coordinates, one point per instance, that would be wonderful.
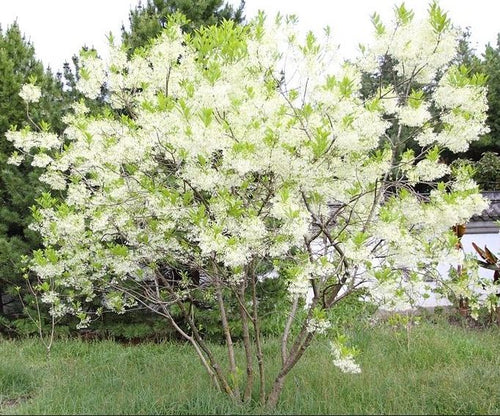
(244, 150)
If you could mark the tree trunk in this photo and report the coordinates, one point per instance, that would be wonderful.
(300, 345)
(1, 302)
(247, 395)
(274, 394)
(286, 332)
(229, 341)
(258, 343)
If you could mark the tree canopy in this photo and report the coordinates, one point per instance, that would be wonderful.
(220, 164)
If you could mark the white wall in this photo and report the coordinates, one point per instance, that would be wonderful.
(491, 240)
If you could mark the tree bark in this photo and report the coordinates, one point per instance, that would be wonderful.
(247, 395)
(258, 343)
(197, 340)
(286, 332)
(229, 340)
(275, 392)
(300, 345)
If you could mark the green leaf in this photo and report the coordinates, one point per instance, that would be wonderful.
(321, 141)
(360, 238)
(206, 116)
(311, 46)
(377, 24)
(119, 250)
(346, 87)
(433, 154)
(438, 19)
(416, 98)
(404, 15)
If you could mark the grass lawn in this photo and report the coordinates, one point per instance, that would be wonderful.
(446, 370)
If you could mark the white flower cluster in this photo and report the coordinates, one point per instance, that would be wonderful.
(427, 171)
(15, 159)
(318, 326)
(300, 285)
(50, 297)
(92, 75)
(41, 160)
(413, 117)
(464, 104)
(418, 48)
(30, 93)
(27, 140)
(399, 294)
(343, 359)
(84, 322)
(58, 310)
(468, 98)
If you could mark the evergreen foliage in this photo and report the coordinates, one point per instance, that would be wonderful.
(146, 22)
(491, 67)
(19, 185)
(483, 155)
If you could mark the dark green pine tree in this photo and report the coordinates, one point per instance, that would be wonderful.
(19, 185)
(147, 21)
(484, 154)
(490, 65)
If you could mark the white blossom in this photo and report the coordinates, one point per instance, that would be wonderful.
(41, 160)
(15, 159)
(427, 170)
(30, 93)
(413, 117)
(344, 360)
(91, 76)
(50, 297)
(54, 179)
(318, 326)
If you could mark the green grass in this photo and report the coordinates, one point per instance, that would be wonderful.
(446, 370)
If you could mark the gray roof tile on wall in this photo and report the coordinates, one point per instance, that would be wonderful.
(492, 213)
